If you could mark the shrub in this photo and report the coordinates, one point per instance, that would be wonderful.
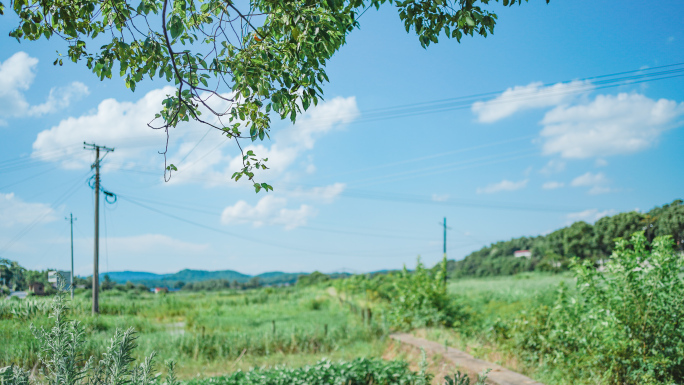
(420, 300)
(625, 326)
(61, 354)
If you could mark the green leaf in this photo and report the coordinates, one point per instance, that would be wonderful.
(175, 26)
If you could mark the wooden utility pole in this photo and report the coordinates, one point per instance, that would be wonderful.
(71, 220)
(96, 253)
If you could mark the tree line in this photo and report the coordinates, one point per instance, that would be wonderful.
(553, 252)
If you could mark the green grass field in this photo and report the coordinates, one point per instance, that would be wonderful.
(206, 333)
(215, 333)
(218, 333)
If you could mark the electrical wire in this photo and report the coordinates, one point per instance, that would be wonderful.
(40, 217)
(235, 235)
(419, 199)
(447, 167)
(29, 178)
(465, 102)
(105, 238)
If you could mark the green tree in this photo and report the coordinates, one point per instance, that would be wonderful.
(236, 61)
(17, 276)
(5, 272)
(671, 222)
(578, 240)
(312, 279)
(623, 225)
(107, 283)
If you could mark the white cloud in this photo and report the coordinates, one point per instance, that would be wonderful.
(552, 167)
(212, 161)
(59, 98)
(589, 179)
(609, 125)
(440, 197)
(598, 183)
(288, 145)
(504, 185)
(325, 194)
(270, 210)
(15, 212)
(552, 185)
(317, 121)
(17, 73)
(591, 215)
(122, 125)
(596, 190)
(531, 96)
(600, 162)
(273, 209)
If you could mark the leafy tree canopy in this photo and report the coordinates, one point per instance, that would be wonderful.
(235, 62)
(581, 240)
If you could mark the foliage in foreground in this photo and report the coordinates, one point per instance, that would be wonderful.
(360, 371)
(275, 63)
(625, 324)
(61, 354)
(356, 372)
(463, 379)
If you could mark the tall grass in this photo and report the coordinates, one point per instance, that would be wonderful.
(197, 329)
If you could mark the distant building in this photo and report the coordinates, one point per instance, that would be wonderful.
(66, 276)
(160, 290)
(522, 253)
(37, 288)
(18, 294)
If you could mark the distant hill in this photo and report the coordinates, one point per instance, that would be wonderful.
(552, 252)
(187, 275)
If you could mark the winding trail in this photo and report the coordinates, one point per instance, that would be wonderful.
(498, 376)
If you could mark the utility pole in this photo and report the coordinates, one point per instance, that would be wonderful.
(445, 229)
(96, 254)
(71, 220)
(444, 258)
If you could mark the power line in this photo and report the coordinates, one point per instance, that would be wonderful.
(434, 156)
(195, 146)
(464, 102)
(29, 178)
(446, 167)
(235, 235)
(40, 217)
(492, 93)
(418, 199)
(422, 199)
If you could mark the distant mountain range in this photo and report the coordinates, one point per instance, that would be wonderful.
(187, 275)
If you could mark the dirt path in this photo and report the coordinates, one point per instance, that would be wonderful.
(465, 362)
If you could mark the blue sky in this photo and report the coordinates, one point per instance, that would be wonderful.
(357, 188)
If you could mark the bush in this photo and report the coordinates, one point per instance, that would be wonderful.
(61, 354)
(625, 326)
(361, 371)
(420, 300)
(408, 299)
